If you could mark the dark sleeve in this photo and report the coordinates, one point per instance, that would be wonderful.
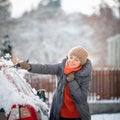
(52, 69)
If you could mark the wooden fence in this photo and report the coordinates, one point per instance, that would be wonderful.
(105, 83)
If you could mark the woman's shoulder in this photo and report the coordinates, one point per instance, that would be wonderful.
(86, 69)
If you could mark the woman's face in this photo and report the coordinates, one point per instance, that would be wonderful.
(73, 62)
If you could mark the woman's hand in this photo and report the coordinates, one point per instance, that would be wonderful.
(24, 65)
(70, 77)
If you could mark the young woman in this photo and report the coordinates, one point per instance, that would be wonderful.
(74, 75)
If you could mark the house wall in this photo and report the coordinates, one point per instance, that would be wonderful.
(114, 51)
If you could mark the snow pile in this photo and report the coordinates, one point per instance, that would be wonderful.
(15, 90)
(114, 116)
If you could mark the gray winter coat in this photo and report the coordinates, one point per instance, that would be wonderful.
(79, 87)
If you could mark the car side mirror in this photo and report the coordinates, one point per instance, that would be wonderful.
(43, 94)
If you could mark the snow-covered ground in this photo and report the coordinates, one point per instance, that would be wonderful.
(114, 116)
(111, 116)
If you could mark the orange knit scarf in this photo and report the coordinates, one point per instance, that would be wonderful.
(68, 70)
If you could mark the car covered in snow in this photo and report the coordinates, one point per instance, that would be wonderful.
(18, 100)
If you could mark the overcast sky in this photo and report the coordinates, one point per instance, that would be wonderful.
(86, 7)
